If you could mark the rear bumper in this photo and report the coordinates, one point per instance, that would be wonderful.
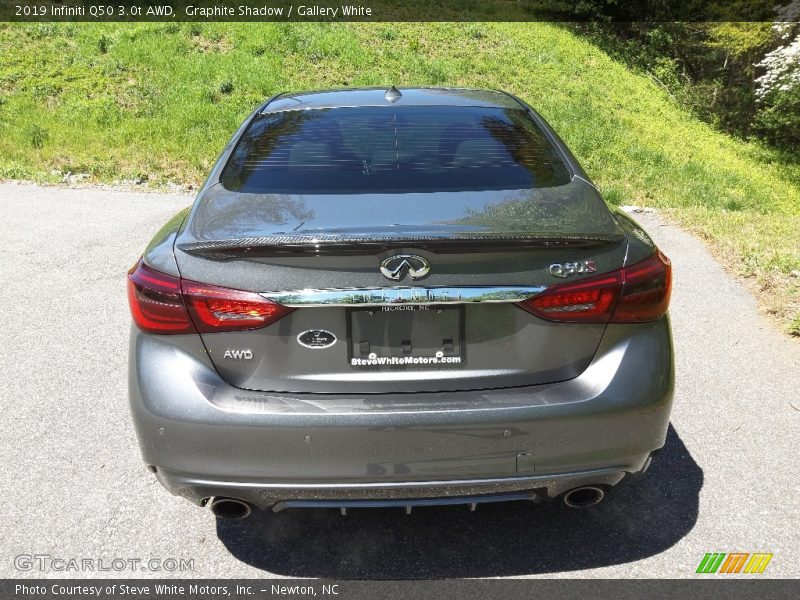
(207, 438)
(409, 493)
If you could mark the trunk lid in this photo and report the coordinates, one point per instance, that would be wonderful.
(323, 255)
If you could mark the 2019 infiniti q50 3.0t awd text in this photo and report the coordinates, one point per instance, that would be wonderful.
(401, 297)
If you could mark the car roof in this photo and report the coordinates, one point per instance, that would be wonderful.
(355, 97)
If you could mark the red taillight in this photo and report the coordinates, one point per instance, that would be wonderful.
(635, 294)
(591, 300)
(645, 295)
(156, 302)
(221, 309)
(161, 303)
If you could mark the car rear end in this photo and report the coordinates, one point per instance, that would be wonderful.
(398, 301)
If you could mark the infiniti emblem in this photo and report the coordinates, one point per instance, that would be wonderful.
(395, 266)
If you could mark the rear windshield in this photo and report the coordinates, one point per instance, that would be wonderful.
(393, 149)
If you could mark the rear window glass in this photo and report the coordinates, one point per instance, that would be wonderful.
(393, 149)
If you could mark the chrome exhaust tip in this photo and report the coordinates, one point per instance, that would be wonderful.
(584, 496)
(230, 508)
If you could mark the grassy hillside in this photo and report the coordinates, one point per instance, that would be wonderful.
(155, 103)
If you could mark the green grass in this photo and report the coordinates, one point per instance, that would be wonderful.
(157, 102)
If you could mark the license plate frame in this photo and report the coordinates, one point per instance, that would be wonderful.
(387, 329)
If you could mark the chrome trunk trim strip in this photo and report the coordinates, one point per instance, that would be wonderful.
(392, 296)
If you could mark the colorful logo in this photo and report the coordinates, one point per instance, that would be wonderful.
(734, 562)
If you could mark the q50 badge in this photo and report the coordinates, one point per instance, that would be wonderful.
(571, 268)
(316, 339)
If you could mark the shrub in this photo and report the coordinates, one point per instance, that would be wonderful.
(37, 135)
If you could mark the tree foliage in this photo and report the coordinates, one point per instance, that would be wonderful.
(742, 77)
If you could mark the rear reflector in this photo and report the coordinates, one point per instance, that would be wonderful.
(162, 303)
(634, 294)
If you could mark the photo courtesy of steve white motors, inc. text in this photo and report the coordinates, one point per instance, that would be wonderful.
(179, 590)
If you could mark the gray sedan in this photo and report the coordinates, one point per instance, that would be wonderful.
(398, 297)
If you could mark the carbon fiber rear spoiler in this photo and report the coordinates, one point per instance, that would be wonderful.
(253, 247)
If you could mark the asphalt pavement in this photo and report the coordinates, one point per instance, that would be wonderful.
(74, 486)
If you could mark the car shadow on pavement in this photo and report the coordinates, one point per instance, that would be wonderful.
(641, 517)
